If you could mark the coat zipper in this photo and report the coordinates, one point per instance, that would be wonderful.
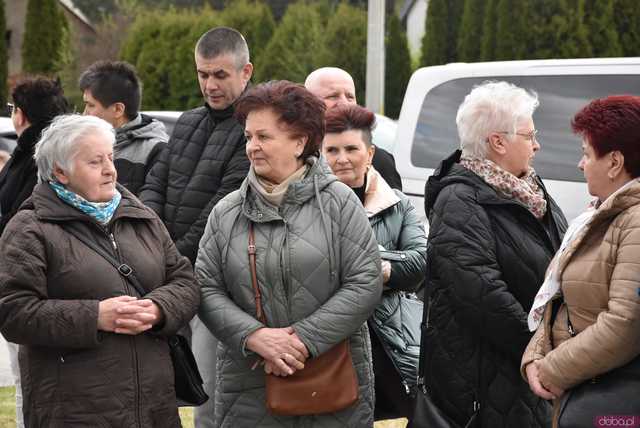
(285, 263)
(132, 339)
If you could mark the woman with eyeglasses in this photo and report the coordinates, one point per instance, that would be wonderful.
(493, 231)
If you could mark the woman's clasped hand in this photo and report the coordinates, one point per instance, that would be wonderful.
(128, 315)
(282, 350)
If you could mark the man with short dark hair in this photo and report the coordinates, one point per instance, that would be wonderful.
(112, 91)
(204, 161)
(334, 86)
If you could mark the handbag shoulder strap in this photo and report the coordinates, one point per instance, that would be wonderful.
(123, 268)
(254, 275)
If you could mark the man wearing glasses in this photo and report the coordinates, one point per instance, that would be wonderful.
(35, 103)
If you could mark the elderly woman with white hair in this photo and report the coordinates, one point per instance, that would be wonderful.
(493, 230)
(93, 349)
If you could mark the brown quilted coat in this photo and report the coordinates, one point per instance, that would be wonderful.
(600, 275)
(50, 285)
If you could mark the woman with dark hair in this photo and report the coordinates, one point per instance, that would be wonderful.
(317, 267)
(403, 246)
(587, 312)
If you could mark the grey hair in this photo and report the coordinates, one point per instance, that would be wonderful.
(223, 40)
(492, 107)
(58, 144)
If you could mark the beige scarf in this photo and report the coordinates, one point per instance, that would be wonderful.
(524, 190)
(272, 192)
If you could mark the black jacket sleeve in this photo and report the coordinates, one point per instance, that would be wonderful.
(154, 191)
(462, 257)
(234, 173)
(385, 164)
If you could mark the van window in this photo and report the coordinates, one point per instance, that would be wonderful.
(436, 135)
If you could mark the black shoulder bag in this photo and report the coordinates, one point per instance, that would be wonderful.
(188, 382)
(612, 396)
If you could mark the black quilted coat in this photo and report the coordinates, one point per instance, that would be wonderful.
(487, 259)
(204, 161)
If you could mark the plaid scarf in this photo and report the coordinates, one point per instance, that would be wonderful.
(524, 190)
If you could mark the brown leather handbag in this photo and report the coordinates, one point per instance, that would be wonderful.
(327, 384)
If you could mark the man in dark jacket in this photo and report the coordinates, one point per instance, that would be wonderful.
(335, 86)
(112, 91)
(205, 160)
(35, 103)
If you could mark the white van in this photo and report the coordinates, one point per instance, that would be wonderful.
(427, 130)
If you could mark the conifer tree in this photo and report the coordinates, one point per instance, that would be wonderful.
(510, 35)
(45, 44)
(488, 45)
(470, 33)
(601, 28)
(4, 58)
(292, 52)
(344, 45)
(397, 67)
(572, 37)
(439, 43)
(544, 20)
(434, 42)
(254, 20)
(627, 22)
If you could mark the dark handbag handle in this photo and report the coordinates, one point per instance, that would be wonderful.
(254, 275)
(124, 269)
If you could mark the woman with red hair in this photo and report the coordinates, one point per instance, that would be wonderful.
(584, 354)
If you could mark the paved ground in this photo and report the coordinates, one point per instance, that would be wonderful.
(5, 369)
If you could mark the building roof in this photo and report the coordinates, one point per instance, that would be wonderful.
(71, 7)
(405, 9)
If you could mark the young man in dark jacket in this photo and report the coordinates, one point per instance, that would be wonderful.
(112, 91)
(204, 161)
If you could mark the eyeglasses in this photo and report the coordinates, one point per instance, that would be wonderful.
(10, 109)
(530, 136)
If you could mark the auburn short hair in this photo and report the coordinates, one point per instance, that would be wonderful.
(351, 117)
(612, 124)
(298, 109)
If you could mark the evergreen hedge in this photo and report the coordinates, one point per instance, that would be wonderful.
(397, 67)
(45, 47)
(344, 45)
(294, 50)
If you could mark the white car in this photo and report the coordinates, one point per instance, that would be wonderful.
(8, 135)
(427, 130)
